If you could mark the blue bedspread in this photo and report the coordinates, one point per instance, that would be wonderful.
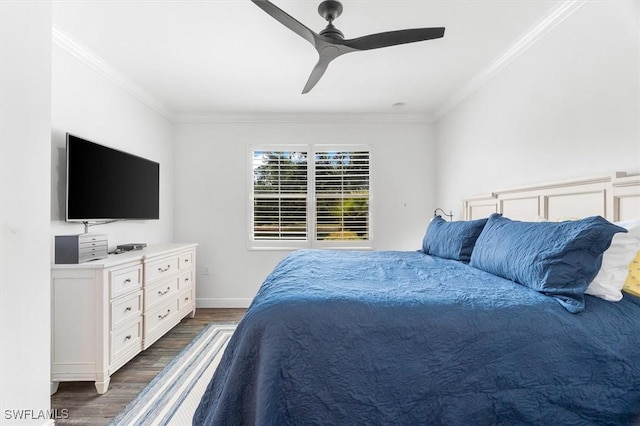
(402, 338)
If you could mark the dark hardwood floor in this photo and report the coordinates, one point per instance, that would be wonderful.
(86, 407)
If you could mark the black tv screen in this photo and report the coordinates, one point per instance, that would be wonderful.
(106, 184)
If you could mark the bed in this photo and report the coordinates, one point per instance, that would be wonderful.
(449, 336)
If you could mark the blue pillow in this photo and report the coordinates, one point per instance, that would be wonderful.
(452, 240)
(559, 259)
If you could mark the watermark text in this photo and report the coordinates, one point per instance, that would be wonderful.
(29, 414)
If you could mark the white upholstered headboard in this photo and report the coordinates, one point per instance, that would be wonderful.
(614, 197)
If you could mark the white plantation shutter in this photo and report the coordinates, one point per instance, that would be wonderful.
(342, 195)
(280, 195)
(302, 197)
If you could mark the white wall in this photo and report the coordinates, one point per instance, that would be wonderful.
(88, 104)
(567, 107)
(25, 185)
(212, 172)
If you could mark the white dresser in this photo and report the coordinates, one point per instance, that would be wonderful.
(107, 311)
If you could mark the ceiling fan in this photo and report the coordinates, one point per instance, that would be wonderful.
(330, 42)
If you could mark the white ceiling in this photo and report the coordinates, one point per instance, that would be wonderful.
(230, 57)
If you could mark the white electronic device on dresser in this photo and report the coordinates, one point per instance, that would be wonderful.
(107, 311)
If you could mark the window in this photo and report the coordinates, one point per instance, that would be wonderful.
(341, 195)
(304, 196)
(280, 195)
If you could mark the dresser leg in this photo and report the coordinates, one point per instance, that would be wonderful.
(53, 387)
(193, 313)
(102, 387)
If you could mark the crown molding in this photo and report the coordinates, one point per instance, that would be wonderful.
(333, 118)
(558, 15)
(94, 61)
(97, 63)
(82, 53)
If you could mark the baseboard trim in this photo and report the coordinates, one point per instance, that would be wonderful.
(223, 303)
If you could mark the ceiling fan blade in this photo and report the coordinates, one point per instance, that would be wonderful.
(287, 20)
(317, 73)
(393, 38)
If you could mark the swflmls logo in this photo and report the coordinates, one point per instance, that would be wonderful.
(53, 413)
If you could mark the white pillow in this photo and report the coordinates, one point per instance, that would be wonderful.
(608, 283)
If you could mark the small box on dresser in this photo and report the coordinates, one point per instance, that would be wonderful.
(80, 248)
(106, 312)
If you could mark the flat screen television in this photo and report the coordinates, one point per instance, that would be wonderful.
(105, 184)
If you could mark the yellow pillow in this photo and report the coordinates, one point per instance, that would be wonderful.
(632, 283)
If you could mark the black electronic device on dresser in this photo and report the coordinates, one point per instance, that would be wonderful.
(131, 246)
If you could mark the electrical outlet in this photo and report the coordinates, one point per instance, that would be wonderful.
(207, 270)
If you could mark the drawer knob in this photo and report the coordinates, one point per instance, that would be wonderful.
(128, 337)
(165, 269)
(127, 281)
(186, 299)
(162, 293)
(186, 280)
(128, 309)
(165, 315)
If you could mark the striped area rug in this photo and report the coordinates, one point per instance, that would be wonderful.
(173, 395)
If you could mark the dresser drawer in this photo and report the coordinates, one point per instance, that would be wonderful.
(187, 259)
(161, 268)
(125, 280)
(126, 339)
(126, 308)
(165, 290)
(160, 318)
(185, 302)
(185, 281)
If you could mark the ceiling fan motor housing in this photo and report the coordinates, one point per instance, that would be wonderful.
(332, 32)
